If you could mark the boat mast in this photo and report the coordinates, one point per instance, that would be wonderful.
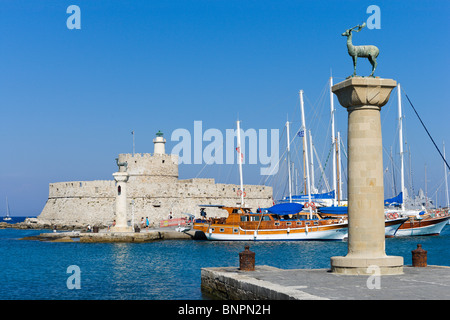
(240, 161)
(400, 142)
(289, 161)
(338, 167)
(7, 207)
(333, 141)
(446, 181)
(313, 187)
(306, 151)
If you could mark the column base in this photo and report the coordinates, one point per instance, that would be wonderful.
(121, 229)
(387, 265)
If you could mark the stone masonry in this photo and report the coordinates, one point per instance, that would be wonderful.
(154, 188)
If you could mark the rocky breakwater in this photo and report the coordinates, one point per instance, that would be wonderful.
(33, 223)
(106, 237)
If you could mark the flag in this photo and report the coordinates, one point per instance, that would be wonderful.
(301, 133)
(238, 149)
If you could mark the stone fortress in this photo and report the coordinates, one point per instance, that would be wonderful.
(153, 190)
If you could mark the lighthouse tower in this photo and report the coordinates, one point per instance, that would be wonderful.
(159, 143)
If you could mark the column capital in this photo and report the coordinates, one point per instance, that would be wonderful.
(120, 176)
(359, 91)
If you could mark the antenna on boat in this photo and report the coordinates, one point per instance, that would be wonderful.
(308, 187)
(400, 141)
(240, 156)
(333, 142)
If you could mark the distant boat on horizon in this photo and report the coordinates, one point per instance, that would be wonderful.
(7, 216)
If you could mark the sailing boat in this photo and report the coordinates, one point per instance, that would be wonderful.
(7, 217)
(285, 221)
(419, 221)
(330, 201)
(330, 205)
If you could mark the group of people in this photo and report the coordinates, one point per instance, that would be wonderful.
(145, 223)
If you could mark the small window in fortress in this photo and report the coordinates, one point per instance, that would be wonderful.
(81, 184)
(163, 161)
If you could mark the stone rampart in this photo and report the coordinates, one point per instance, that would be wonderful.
(153, 191)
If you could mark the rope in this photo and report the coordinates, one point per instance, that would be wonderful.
(429, 135)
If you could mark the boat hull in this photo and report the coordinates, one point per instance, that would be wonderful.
(392, 226)
(336, 234)
(425, 227)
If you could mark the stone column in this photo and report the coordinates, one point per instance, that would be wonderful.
(121, 203)
(363, 98)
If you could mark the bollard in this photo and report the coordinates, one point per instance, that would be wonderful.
(247, 260)
(419, 257)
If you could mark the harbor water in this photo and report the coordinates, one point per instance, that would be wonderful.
(160, 270)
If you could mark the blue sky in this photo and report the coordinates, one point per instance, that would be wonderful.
(70, 98)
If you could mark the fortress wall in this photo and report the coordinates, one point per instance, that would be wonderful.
(84, 202)
(96, 189)
(154, 187)
(148, 164)
(78, 210)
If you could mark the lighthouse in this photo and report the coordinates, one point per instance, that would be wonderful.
(159, 143)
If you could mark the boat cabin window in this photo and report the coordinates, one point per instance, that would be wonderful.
(235, 230)
(316, 223)
(254, 218)
(222, 230)
(277, 223)
(265, 218)
(244, 218)
(299, 223)
(308, 223)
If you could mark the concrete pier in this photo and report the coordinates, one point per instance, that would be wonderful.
(269, 283)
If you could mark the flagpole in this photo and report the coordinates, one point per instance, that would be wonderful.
(132, 132)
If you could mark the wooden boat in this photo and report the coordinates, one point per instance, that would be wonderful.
(242, 224)
(424, 225)
(393, 218)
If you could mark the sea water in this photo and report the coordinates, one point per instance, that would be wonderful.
(160, 270)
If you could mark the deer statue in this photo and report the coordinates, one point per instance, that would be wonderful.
(369, 52)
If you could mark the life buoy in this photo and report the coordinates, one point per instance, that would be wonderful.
(389, 216)
(310, 204)
(395, 215)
